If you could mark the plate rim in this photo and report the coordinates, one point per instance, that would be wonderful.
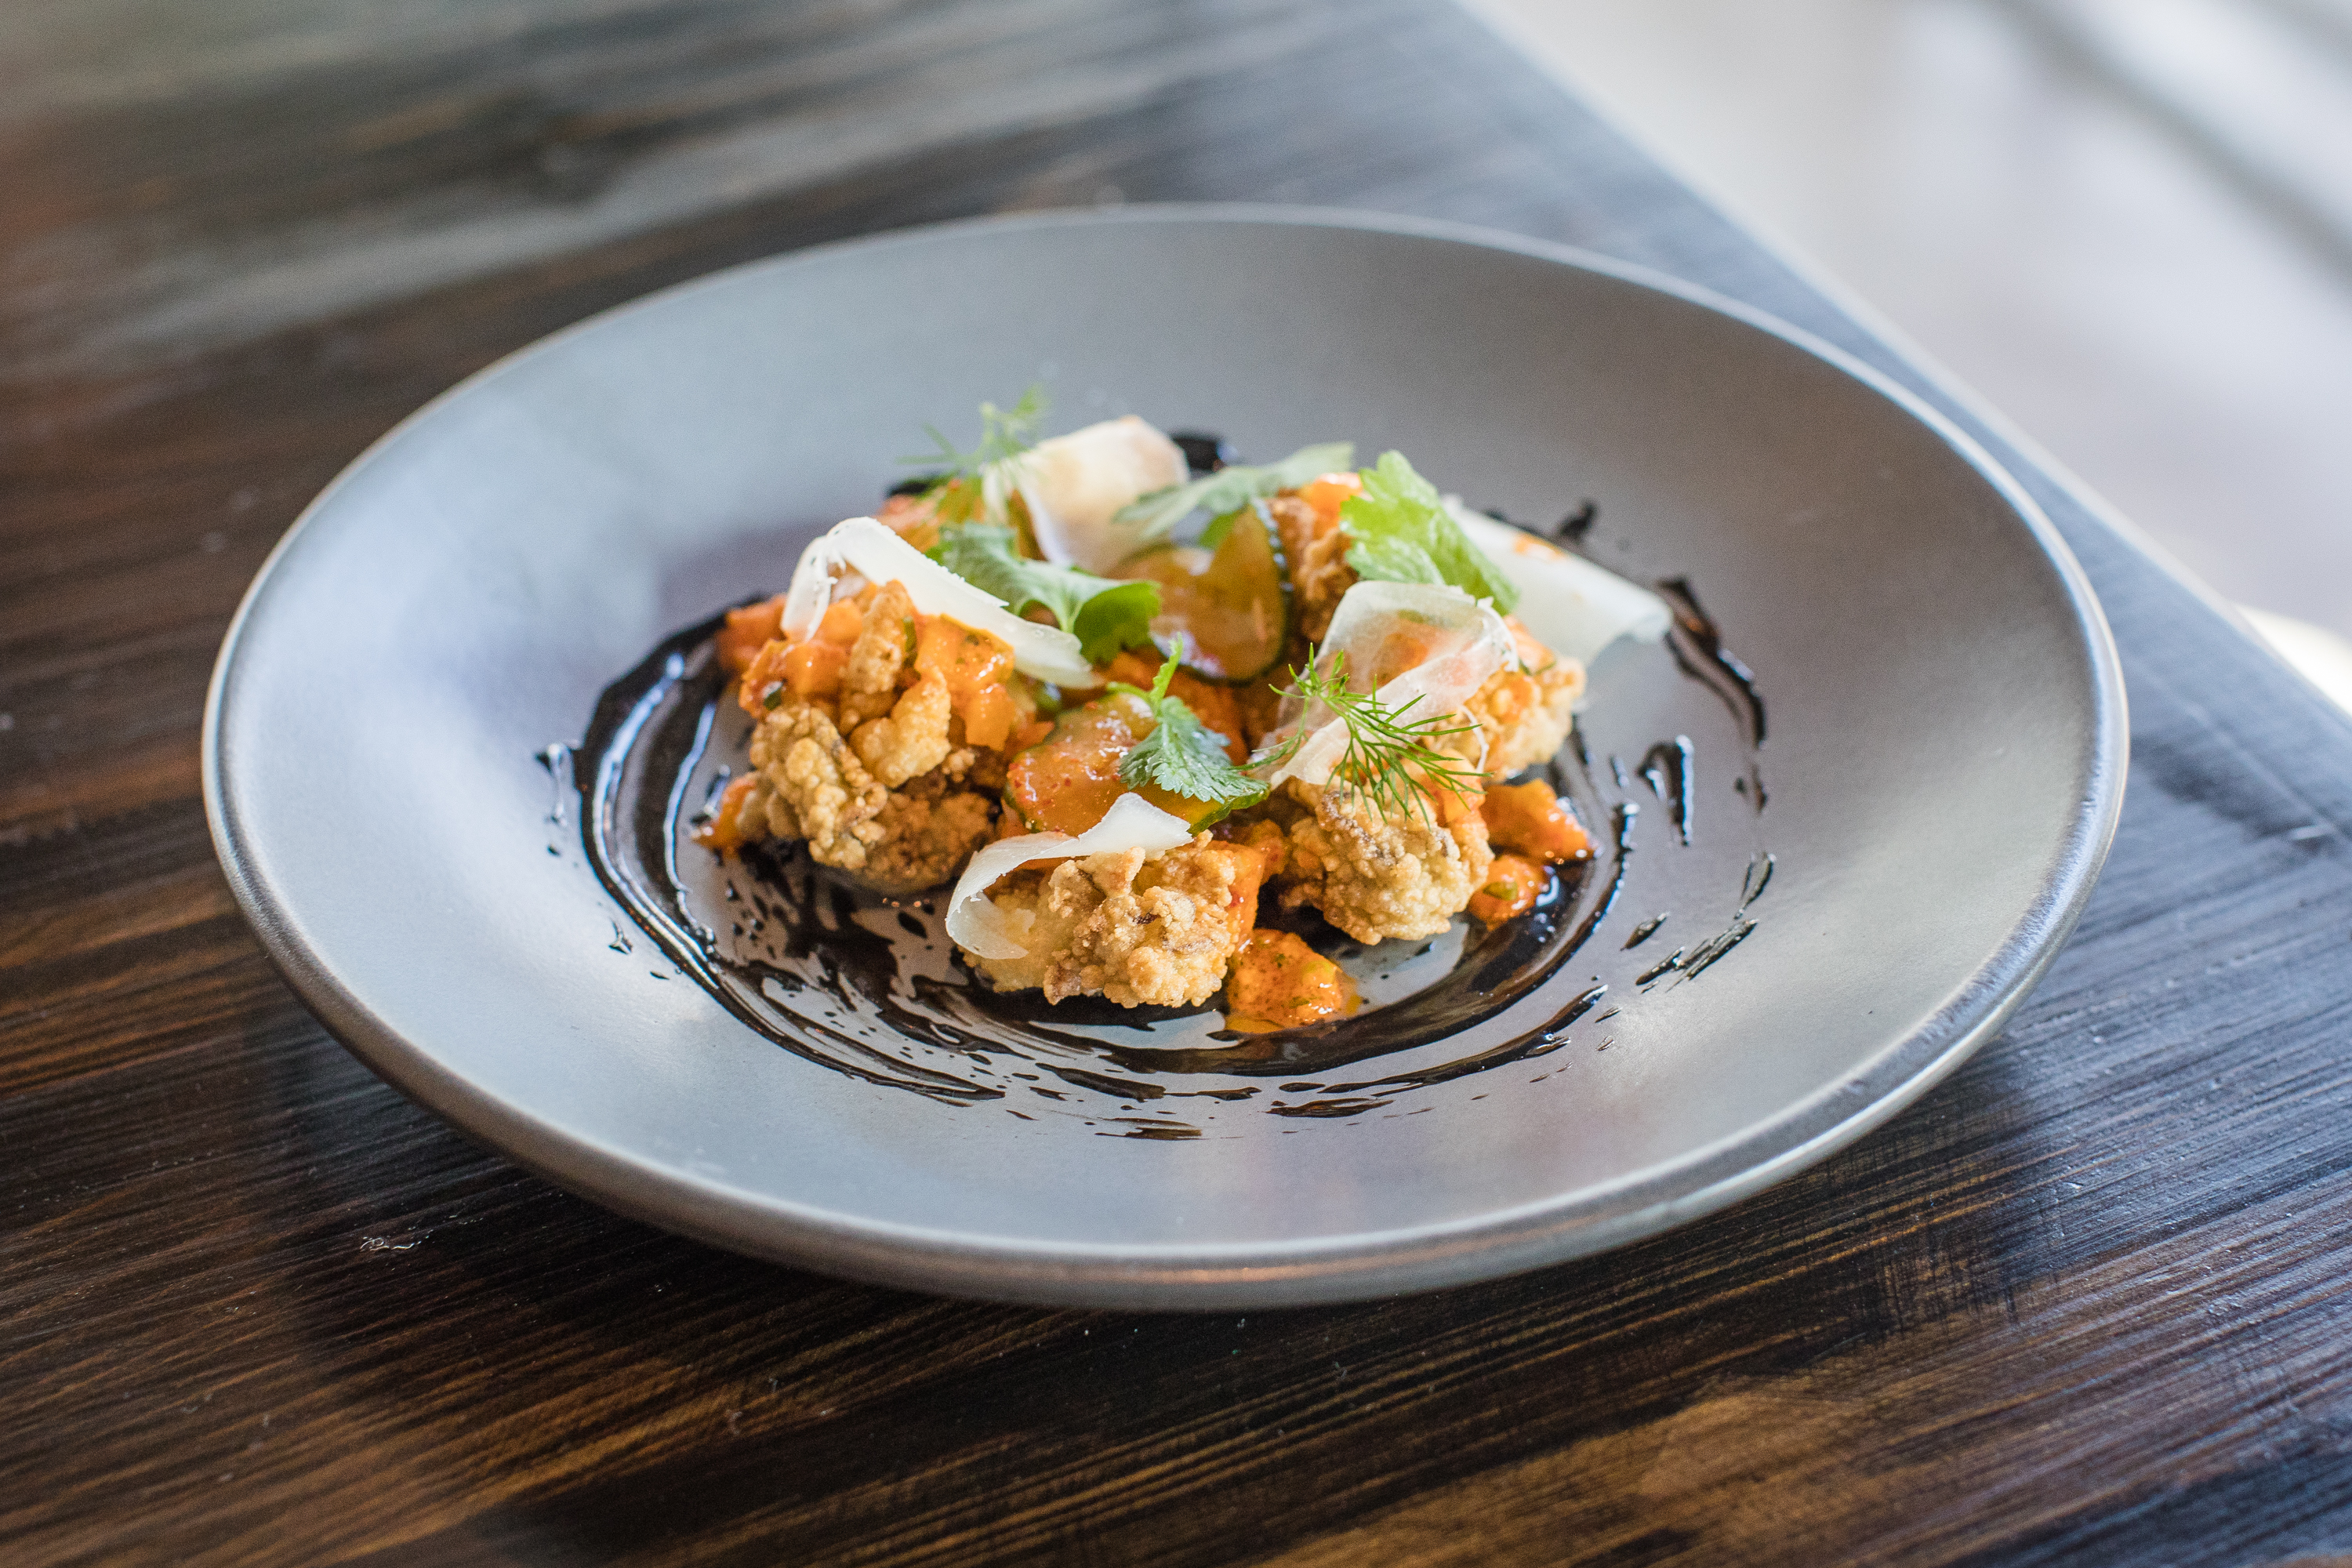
(1268, 1274)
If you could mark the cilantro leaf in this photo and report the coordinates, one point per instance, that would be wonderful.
(1103, 615)
(1230, 488)
(1182, 755)
(1402, 533)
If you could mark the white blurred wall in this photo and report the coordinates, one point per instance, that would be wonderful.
(2128, 223)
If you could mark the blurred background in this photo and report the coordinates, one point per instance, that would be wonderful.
(2126, 223)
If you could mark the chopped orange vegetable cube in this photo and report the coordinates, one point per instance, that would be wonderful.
(841, 625)
(726, 829)
(813, 669)
(747, 631)
(1533, 820)
(1513, 884)
(1327, 495)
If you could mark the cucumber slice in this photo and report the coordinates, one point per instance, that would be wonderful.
(1224, 612)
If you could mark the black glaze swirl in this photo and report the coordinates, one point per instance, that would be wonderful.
(871, 988)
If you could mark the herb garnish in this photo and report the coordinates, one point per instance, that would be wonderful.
(1231, 488)
(1182, 755)
(1403, 534)
(1105, 616)
(1390, 754)
(975, 484)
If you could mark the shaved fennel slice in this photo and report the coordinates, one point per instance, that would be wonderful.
(1075, 484)
(871, 550)
(1568, 603)
(1430, 645)
(979, 928)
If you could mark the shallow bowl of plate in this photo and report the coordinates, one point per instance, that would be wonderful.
(1931, 779)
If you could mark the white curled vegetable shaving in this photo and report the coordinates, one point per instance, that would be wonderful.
(981, 929)
(1568, 603)
(1429, 646)
(872, 551)
(1075, 485)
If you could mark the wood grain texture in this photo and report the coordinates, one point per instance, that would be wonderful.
(2079, 1306)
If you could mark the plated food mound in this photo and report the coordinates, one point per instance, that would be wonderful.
(1126, 702)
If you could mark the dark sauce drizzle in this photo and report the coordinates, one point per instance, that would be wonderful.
(823, 969)
(861, 984)
(1697, 645)
(1667, 769)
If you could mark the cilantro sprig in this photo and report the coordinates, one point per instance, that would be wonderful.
(1391, 755)
(1230, 488)
(1402, 533)
(1105, 616)
(1182, 755)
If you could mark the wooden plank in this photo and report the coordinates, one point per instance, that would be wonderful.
(2077, 1305)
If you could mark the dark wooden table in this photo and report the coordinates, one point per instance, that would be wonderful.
(2081, 1305)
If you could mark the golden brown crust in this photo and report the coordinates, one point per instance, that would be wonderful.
(1142, 930)
(1526, 716)
(1377, 876)
(812, 785)
(909, 740)
(1316, 549)
(869, 682)
(928, 830)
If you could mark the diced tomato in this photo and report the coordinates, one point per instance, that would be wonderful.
(1278, 979)
(762, 684)
(976, 668)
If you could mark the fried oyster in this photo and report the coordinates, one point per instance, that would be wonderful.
(969, 685)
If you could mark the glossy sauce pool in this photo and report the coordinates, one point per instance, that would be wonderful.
(870, 986)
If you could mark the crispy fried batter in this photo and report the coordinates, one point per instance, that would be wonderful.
(810, 784)
(869, 682)
(1142, 930)
(1376, 875)
(1526, 716)
(911, 739)
(815, 788)
(927, 829)
(1317, 548)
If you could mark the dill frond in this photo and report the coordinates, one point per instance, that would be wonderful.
(1005, 435)
(1391, 756)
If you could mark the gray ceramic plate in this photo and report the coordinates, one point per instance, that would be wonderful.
(1939, 768)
